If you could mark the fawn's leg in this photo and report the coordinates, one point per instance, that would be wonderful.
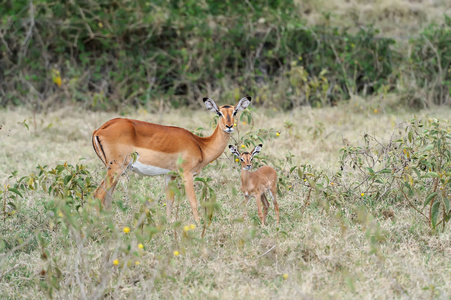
(272, 193)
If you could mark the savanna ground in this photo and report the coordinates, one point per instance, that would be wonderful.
(321, 249)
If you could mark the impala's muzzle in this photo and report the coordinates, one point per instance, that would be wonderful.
(229, 129)
(248, 167)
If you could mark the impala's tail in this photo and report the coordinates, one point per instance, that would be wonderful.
(98, 148)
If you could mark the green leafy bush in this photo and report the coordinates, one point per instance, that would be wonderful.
(427, 74)
(413, 169)
(108, 54)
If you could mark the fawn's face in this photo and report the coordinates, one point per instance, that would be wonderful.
(246, 160)
(246, 157)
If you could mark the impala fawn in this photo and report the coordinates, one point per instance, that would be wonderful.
(257, 183)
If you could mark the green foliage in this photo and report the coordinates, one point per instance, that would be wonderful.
(414, 169)
(429, 66)
(107, 54)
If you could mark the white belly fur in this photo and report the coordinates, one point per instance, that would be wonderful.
(147, 170)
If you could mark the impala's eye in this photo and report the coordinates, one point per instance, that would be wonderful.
(242, 159)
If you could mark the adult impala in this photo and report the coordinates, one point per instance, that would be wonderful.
(151, 149)
(257, 183)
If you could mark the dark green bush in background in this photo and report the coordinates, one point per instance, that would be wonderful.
(108, 54)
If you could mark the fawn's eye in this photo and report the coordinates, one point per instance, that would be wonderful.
(242, 159)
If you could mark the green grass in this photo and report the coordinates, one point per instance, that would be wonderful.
(356, 250)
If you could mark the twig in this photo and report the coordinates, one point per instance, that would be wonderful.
(30, 29)
(410, 203)
(238, 262)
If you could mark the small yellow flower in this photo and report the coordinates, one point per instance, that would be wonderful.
(375, 111)
(100, 25)
(285, 276)
(140, 246)
(244, 123)
(186, 228)
(362, 194)
(234, 125)
(58, 81)
(242, 146)
(136, 263)
(126, 229)
(115, 262)
(60, 214)
(176, 253)
(192, 226)
(164, 204)
(277, 134)
(236, 159)
(56, 77)
(331, 183)
(305, 180)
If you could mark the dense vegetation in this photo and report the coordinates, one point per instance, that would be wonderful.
(109, 54)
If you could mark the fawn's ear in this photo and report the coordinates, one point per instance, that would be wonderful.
(257, 150)
(211, 105)
(234, 150)
(242, 105)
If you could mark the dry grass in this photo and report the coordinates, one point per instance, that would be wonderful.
(326, 254)
(396, 18)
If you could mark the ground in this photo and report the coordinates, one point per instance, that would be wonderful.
(320, 252)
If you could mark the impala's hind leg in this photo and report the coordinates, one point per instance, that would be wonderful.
(105, 190)
(272, 193)
(265, 207)
(258, 199)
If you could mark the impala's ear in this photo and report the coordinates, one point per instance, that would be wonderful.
(211, 105)
(257, 150)
(234, 150)
(242, 105)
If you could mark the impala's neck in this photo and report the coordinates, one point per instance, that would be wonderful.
(246, 176)
(214, 145)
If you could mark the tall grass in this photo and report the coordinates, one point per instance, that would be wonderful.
(51, 246)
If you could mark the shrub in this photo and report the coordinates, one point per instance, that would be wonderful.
(105, 54)
(427, 73)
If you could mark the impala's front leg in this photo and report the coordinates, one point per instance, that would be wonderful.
(189, 189)
(246, 202)
(169, 195)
